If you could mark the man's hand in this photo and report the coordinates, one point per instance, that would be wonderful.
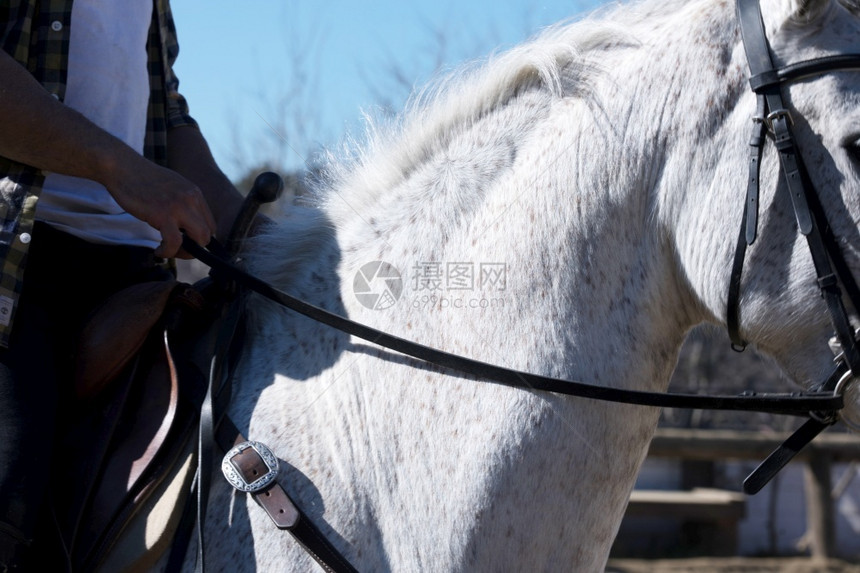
(168, 202)
(40, 131)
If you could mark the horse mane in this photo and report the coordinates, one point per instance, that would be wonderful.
(354, 180)
(556, 61)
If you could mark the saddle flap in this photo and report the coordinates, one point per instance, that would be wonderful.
(116, 455)
(116, 331)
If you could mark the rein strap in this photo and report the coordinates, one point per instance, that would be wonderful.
(789, 404)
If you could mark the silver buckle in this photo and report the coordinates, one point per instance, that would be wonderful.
(847, 388)
(778, 114)
(234, 476)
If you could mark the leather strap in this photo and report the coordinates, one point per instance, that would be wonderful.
(206, 431)
(749, 226)
(800, 404)
(733, 312)
(780, 457)
(791, 446)
(217, 431)
(807, 69)
(278, 505)
(790, 404)
(767, 81)
(809, 214)
(756, 144)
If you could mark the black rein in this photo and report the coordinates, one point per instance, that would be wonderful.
(791, 404)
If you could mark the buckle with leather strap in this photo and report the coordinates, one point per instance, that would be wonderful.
(250, 467)
(776, 115)
(249, 457)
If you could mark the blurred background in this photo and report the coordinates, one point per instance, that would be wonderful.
(274, 82)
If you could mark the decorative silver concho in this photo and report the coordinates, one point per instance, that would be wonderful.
(232, 474)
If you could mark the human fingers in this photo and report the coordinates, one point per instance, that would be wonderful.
(165, 200)
(197, 221)
(171, 241)
(185, 215)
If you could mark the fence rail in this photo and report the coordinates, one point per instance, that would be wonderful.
(818, 457)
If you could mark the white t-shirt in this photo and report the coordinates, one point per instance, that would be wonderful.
(108, 82)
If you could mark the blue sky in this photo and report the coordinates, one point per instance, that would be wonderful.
(273, 80)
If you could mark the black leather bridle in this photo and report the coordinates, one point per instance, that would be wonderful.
(821, 406)
(774, 120)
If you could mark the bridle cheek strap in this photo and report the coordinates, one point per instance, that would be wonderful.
(773, 117)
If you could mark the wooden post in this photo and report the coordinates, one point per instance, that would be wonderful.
(827, 449)
(820, 525)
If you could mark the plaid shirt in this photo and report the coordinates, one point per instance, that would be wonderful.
(36, 34)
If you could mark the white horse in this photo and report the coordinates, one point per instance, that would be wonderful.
(569, 208)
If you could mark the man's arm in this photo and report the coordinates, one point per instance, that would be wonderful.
(189, 155)
(38, 130)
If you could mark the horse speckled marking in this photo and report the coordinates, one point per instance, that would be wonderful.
(604, 164)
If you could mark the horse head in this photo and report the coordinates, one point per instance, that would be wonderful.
(781, 310)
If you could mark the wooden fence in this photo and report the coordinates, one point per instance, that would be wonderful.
(716, 445)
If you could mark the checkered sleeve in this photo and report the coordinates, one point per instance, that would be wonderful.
(35, 34)
(167, 108)
(177, 107)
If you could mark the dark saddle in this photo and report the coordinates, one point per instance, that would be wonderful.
(126, 456)
(126, 460)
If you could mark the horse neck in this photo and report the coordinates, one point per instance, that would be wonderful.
(577, 199)
(583, 301)
(585, 274)
(683, 118)
(587, 200)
